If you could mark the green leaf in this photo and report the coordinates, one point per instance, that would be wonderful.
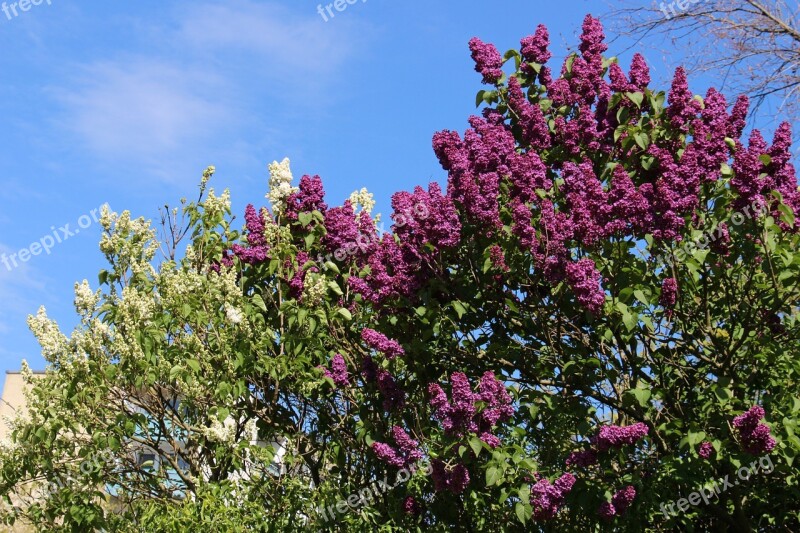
(642, 140)
(639, 295)
(523, 512)
(194, 365)
(787, 215)
(459, 307)
(696, 437)
(305, 218)
(642, 396)
(493, 476)
(637, 98)
(332, 285)
(476, 444)
(724, 395)
(258, 301)
(345, 313)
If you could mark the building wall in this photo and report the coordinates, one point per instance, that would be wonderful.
(12, 402)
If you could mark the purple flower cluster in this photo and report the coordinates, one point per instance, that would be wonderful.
(411, 506)
(619, 503)
(669, 293)
(393, 396)
(256, 251)
(454, 479)
(349, 235)
(706, 450)
(755, 176)
(425, 222)
(488, 62)
(535, 48)
(461, 415)
(584, 279)
(754, 436)
(338, 371)
(309, 197)
(381, 343)
(498, 258)
(619, 436)
(582, 458)
(639, 76)
(297, 282)
(547, 498)
(535, 131)
(406, 454)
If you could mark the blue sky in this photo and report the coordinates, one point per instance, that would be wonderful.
(127, 103)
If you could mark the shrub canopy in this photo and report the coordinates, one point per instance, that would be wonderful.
(595, 318)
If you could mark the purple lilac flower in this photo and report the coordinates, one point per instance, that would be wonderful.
(460, 415)
(411, 506)
(488, 61)
(547, 498)
(256, 251)
(338, 371)
(309, 197)
(705, 450)
(534, 48)
(607, 511)
(669, 293)
(585, 281)
(623, 499)
(454, 480)
(618, 436)
(582, 458)
(640, 72)
(407, 452)
(379, 341)
(394, 397)
(754, 436)
(498, 258)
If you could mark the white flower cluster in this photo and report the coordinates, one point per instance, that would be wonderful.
(222, 432)
(135, 309)
(218, 204)
(233, 315)
(133, 242)
(207, 173)
(280, 185)
(364, 199)
(54, 344)
(314, 289)
(175, 287)
(85, 300)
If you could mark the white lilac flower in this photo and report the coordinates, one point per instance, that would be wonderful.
(280, 185)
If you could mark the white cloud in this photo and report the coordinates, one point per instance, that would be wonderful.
(302, 42)
(221, 72)
(143, 108)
